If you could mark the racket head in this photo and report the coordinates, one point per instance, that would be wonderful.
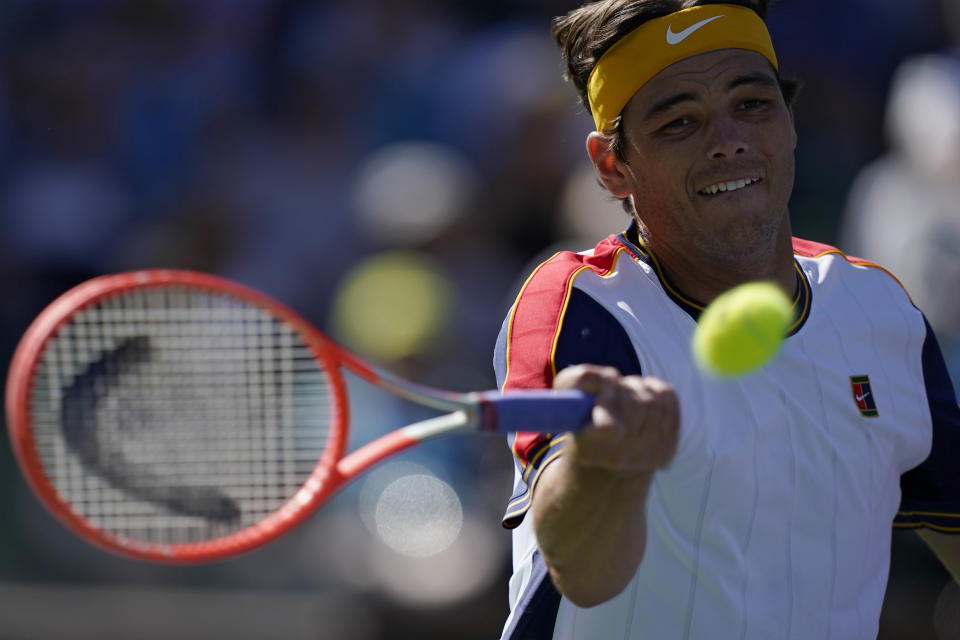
(220, 515)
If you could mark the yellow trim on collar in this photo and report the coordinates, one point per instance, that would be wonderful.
(656, 44)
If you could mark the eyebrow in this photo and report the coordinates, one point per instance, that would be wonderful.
(757, 78)
(665, 104)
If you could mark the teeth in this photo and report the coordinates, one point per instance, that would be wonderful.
(732, 185)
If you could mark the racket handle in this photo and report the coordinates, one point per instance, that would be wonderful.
(540, 410)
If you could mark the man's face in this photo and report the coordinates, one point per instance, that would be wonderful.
(709, 150)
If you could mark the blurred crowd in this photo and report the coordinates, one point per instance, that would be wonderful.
(392, 169)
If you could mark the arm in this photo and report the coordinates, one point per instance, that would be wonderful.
(946, 548)
(933, 487)
(589, 505)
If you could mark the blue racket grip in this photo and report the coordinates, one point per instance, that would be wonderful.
(540, 410)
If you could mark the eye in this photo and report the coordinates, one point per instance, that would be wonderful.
(676, 123)
(754, 103)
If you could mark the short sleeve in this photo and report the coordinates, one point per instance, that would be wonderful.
(931, 491)
(586, 333)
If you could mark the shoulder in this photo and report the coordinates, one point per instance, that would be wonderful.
(825, 261)
(810, 249)
(547, 291)
(558, 271)
(548, 304)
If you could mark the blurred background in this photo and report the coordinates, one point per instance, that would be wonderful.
(392, 169)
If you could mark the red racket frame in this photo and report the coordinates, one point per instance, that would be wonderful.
(332, 469)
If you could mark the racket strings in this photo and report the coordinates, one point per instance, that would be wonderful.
(177, 415)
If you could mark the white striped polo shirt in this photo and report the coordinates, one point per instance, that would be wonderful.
(774, 519)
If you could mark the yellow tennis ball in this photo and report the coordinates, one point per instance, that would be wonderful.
(741, 330)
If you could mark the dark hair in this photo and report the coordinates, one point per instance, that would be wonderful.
(586, 33)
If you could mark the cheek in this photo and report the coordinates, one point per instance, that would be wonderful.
(659, 177)
(788, 140)
(779, 149)
(781, 187)
(788, 162)
(660, 188)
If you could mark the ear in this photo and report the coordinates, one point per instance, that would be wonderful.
(610, 169)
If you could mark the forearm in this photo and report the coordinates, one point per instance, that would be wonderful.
(589, 505)
(946, 548)
(591, 529)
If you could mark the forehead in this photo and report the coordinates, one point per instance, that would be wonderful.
(703, 72)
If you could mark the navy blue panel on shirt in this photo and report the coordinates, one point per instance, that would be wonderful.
(590, 334)
(536, 612)
(931, 491)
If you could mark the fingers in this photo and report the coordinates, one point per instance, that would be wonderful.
(656, 426)
(601, 383)
(635, 420)
(586, 377)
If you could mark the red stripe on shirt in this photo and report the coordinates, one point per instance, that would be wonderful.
(535, 322)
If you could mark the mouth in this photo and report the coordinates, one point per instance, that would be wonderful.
(729, 185)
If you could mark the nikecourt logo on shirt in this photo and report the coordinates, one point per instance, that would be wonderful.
(863, 396)
(676, 38)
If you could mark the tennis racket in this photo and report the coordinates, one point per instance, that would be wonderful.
(177, 416)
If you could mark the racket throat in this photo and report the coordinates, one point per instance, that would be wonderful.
(404, 438)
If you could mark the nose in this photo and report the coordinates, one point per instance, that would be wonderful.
(726, 139)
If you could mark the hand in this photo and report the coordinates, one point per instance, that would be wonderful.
(588, 505)
(635, 421)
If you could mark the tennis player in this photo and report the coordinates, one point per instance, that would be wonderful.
(695, 507)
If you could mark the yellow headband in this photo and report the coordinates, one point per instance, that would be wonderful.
(653, 46)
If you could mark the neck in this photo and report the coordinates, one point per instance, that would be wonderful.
(703, 275)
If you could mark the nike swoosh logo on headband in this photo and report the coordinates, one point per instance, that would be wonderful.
(676, 38)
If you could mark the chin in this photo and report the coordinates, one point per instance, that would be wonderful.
(747, 240)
